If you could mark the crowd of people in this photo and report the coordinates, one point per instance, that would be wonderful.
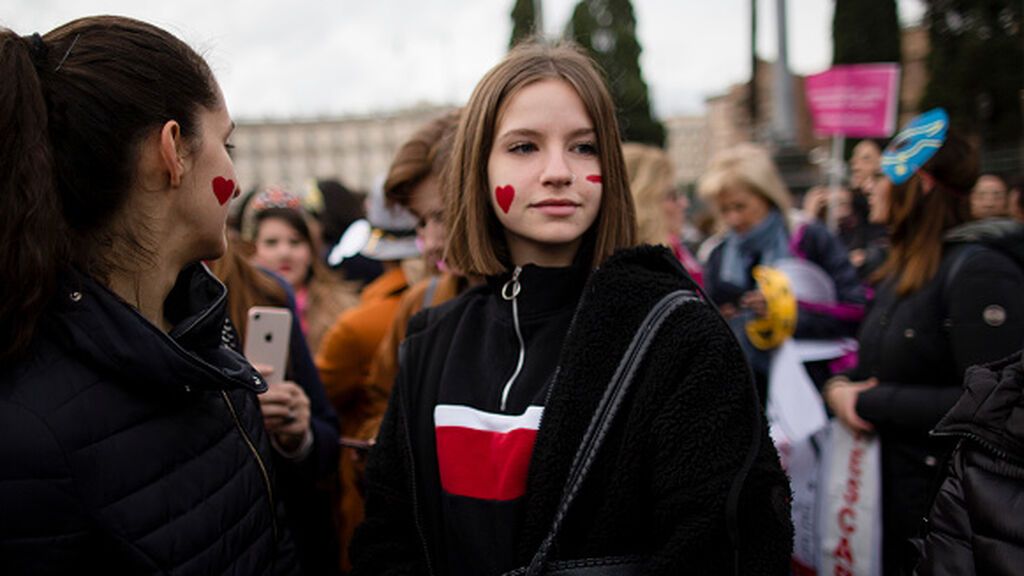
(516, 353)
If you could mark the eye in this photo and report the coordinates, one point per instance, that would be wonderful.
(585, 148)
(522, 148)
(231, 149)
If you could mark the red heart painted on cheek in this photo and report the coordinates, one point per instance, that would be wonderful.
(595, 178)
(504, 195)
(223, 189)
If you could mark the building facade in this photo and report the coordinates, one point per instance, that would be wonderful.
(355, 150)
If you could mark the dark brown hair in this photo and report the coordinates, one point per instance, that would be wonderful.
(475, 242)
(74, 105)
(425, 153)
(919, 218)
(247, 286)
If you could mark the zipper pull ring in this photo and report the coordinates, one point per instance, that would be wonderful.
(512, 288)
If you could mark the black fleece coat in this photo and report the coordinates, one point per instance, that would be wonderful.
(660, 485)
(919, 346)
(126, 450)
(977, 520)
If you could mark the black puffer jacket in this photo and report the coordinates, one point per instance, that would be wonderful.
(660, 486)
(977, 521)
(125, 450)
(919, 346)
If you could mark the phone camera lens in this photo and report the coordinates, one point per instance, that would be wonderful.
(256, 316)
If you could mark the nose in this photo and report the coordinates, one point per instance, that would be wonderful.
(433, 237)
(733, 221)
(556, 170)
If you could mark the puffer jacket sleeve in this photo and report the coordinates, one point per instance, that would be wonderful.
(387, 543)
(948, 549)
(986, 309)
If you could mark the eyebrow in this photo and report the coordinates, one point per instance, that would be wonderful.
(530, 133)
(231, 128)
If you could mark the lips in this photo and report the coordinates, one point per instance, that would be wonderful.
(561, 203)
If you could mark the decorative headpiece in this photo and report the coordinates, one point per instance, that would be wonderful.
(914, 145)
(269, 197)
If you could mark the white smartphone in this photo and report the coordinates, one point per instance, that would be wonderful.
(267, 337)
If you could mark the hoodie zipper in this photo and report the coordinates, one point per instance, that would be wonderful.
(259, 461)
(510, 291)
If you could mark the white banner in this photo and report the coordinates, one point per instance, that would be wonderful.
(851, 522)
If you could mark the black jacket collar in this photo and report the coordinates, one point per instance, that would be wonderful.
(544, 290)
(991, 410)
(103, 331)
(1002, 234)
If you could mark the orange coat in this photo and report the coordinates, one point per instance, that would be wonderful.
(348, 347)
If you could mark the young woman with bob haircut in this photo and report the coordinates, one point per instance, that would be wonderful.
(132, 438)
(496, 388)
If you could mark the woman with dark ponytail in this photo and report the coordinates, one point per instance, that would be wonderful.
(130, 435)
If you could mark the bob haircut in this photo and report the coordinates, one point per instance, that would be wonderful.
(650, 180)
(748, 166)
(476, 241)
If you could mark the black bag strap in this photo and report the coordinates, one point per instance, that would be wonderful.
(601, 422)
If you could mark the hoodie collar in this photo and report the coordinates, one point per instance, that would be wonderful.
(104, 331)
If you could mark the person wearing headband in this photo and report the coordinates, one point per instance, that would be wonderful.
(948, 297)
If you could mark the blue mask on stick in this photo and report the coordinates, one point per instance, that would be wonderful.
(914, 145)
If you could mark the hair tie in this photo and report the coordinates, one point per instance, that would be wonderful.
(37, 50)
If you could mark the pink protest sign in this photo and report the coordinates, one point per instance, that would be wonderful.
(855, 99)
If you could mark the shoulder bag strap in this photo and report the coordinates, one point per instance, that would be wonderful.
(605, 413)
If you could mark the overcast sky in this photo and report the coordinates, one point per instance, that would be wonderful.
(306, 58)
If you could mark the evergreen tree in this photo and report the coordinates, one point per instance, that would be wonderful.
(607, 29)
(976, 66)
(865, 31)
(523, 21)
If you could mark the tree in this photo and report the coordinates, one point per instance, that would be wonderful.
(865, 31)
(523, 21)
(976, 66)
(607, 29)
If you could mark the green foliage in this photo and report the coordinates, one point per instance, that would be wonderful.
(607, 29)
(865, 31)
(523, 21)
(976, 66)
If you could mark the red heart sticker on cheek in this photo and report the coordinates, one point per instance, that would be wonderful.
(504, 196)
(223, 189)
(595, 178)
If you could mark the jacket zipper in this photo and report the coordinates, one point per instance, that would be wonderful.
(259, 461)
(978, 440)
(510, 291)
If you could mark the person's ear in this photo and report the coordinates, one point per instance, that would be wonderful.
(927, 182)
(172, 148)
